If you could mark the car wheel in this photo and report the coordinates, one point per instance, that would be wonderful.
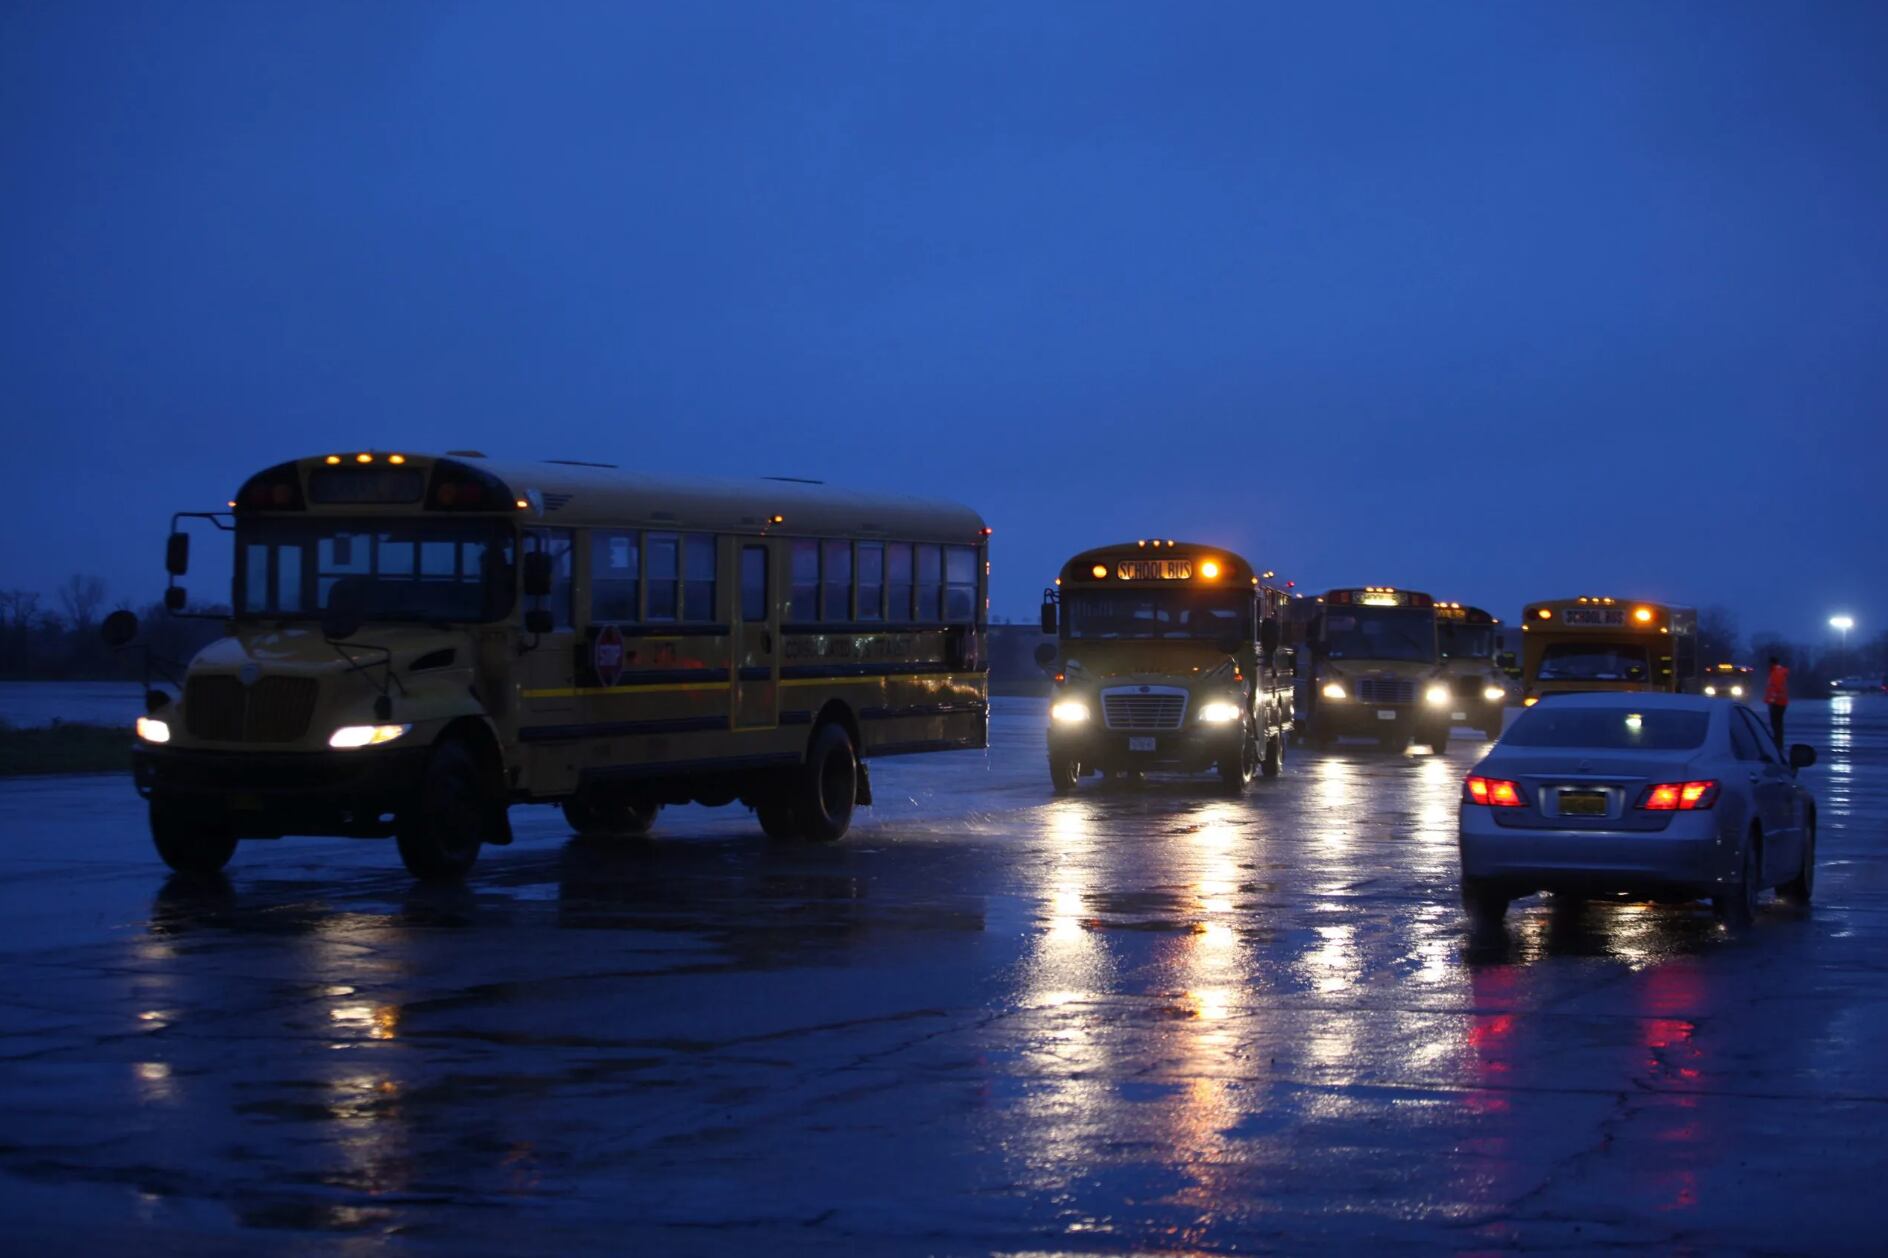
(827, 785)
(191, 839)
(1736, 905)
(1064, 774)
(1274, 762)
(612, 817)
(441, 832)
(1486, 905)
(1799, 889)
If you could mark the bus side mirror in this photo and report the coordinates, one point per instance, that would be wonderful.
(174, 599)
(1802, 755)
(537, 574)
(1045, 654)
(119, 629)
(1268, 634)
(538, 621)
(1048, 618)
(177, 554)
(1229, 643)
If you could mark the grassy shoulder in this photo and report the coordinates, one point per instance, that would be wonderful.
(64, 749)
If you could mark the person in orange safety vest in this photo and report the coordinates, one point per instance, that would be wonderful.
(1777, 695)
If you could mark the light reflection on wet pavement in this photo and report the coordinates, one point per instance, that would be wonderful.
(1147, 1019)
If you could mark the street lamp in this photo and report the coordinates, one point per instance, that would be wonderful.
(1842, 625)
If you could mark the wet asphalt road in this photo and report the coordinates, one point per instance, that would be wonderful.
(1137, 1019)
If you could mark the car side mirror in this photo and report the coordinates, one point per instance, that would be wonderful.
(537, 574)
(1045, 654)
(1802, 755)
(538, 621)
(119, 629)
(177, 554)
(1048, 618)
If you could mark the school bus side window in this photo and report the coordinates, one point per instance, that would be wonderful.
(753, 584)
(835, 600)
(804, 606)
(698, 577)
(662, 560)
(898, 581)
(960, 580)
(930, 583)
(615, 564)
(557, 544)
(871, 580)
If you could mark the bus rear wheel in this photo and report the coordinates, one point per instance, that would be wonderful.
(596, 815)
(191, 839)
(1064, 774)
(450, 818)
(826, 786)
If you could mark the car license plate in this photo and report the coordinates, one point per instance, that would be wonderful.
(1583, 803)
(1458, 716)
(1386, 714)
(1140, 744)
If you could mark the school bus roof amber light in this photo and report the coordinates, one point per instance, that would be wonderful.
(1642, 614)
(1545, 613)
(1209, 569)
(332, 459)
(1099, 572)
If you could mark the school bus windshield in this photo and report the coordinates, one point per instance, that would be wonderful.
(1593, 661)
(1158, 614)
(1466, 642)
(1381, 633)
(426, 570)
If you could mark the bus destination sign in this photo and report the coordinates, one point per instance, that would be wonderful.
(1155, 570)
(1606, 616)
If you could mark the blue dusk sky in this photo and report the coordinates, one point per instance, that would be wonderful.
(1495, 300)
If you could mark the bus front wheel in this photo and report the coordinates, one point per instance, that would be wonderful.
(451, 817)
(191, 840)
(1274, 762)
(827, 785)
(1064, 773)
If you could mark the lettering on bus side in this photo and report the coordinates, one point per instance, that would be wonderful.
(846, 646)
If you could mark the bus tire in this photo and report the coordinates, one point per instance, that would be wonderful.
(776, 819)
(594, 815)
(191, 839)
(1274, 762)
(450, 818)
(1235, 772)
(1439, 740)
(1064, 774)
(827, 785)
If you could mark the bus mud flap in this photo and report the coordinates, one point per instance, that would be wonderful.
(864, 793)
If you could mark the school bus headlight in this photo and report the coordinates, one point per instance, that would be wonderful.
(1069, 712)
(1335, 690)
(1219, 712)
(1437, 694)
(1494, 694)
(152, 730)
(1710, 690)
(351, 736)
(1737, 692)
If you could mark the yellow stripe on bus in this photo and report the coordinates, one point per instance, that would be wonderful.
(578, 692)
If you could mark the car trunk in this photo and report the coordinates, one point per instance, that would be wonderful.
(1566, 790)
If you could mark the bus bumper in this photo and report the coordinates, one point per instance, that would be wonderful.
(1190, 750)
(1334, 719)
(268, 794)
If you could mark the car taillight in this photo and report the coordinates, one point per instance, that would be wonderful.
(1494, 792)
(1678, 796)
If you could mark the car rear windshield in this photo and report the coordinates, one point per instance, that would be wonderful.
(1610, 729)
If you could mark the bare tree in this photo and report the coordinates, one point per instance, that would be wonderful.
(82, 596)
(1718, 637)
(19, 609)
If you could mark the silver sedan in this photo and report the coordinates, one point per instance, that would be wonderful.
(1662, 796)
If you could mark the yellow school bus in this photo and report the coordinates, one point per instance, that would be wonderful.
(1168, 658)
(1477, 687)
(1603, 643)
(417, 643)
(1379, 669)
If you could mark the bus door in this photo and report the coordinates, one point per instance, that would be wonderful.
(756, 672)
(549, 668)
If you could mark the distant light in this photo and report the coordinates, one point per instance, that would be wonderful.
(1842, 624)
(232, 503)
(524, 504)
(779, 519)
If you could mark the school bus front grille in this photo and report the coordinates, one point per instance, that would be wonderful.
(1132, 710)
(274, 710)
(1386, 690)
